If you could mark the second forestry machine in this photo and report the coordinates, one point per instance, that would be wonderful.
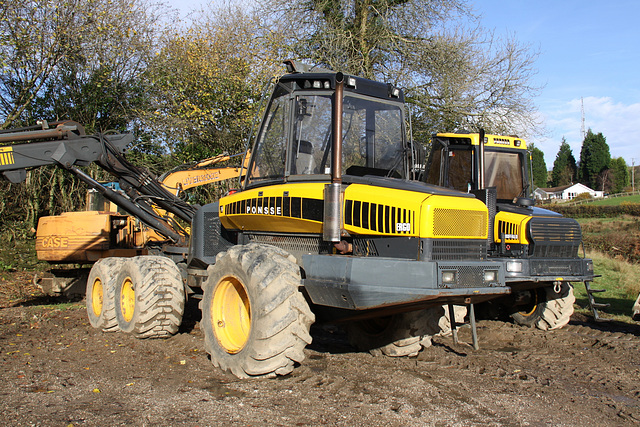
(331, 223)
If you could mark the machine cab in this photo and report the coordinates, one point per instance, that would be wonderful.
(295, 140)
(454, 162)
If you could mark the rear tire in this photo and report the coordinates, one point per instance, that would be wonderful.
(403, 334)
(150, 297)
(100, 293)
(255, 320)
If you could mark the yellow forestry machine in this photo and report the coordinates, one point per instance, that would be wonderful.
(541, 250)
(331, 224)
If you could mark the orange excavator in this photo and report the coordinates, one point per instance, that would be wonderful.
(104, 230)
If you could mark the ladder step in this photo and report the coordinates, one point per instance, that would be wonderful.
(600, 305)
(593, 291)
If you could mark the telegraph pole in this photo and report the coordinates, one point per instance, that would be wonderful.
(633, 175)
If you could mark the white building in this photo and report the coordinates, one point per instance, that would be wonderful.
(566, 192)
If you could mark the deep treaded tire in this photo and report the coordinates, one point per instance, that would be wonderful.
(255, 319)
(557, 309)
(150, 297)
(100, 294)
(403, 334)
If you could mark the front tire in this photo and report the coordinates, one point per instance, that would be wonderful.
(558, 308)
(150, 297)
(255, 320)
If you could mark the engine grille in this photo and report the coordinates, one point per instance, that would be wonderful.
(457, 222)
(455, 250)
(554, 237)
(295, 245)
(213, 242)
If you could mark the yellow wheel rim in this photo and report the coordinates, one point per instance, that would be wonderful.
(231, 314)
(534, 307)
(127, 299)
(96, 296)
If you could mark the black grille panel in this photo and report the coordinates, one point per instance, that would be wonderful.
(295, 245)
(213, 242)
(455, 250)
(565, 267)
(365, 247)
(554, 237)
(467, 276)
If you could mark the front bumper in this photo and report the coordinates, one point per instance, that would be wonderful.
(548, 269)
(360, 283)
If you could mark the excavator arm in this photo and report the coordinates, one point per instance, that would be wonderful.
(64, 144)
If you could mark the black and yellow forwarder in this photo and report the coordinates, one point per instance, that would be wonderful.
(332, 223)
(541, 250)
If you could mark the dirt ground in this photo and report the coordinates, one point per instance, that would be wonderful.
(59, 371)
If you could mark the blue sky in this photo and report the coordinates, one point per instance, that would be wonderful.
(588, 50)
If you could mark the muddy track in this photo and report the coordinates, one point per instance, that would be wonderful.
(58, 370)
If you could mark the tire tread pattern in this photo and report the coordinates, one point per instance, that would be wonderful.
(281, 317)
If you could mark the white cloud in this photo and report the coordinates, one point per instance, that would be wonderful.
(618, 122)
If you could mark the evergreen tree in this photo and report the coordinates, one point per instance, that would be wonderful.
(564, 167)
(538, 166)
(594, 159)
(620, 174)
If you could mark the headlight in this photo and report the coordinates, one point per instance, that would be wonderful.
(448, 277)
(490, 275)
(589, 266)
(514, 266)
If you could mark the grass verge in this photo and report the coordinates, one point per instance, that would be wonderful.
(621, 281)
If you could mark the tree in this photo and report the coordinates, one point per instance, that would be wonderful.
(620, 172)
(594, 160)
(455, 78)
(564, 167)
(538, 166)
(206, 85)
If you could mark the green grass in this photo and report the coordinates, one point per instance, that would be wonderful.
(614, 201)
(620, 279)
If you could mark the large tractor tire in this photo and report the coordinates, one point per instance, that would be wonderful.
(548, 309)
(558, 308)
(403, 334)
(150, 297)
(100, 293)
(255, 319)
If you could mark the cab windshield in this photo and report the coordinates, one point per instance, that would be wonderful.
(295, 138)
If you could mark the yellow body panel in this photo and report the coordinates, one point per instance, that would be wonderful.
(287, 208)
(447, 217)
(6, 156)
(513, 226)
(367, 210)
